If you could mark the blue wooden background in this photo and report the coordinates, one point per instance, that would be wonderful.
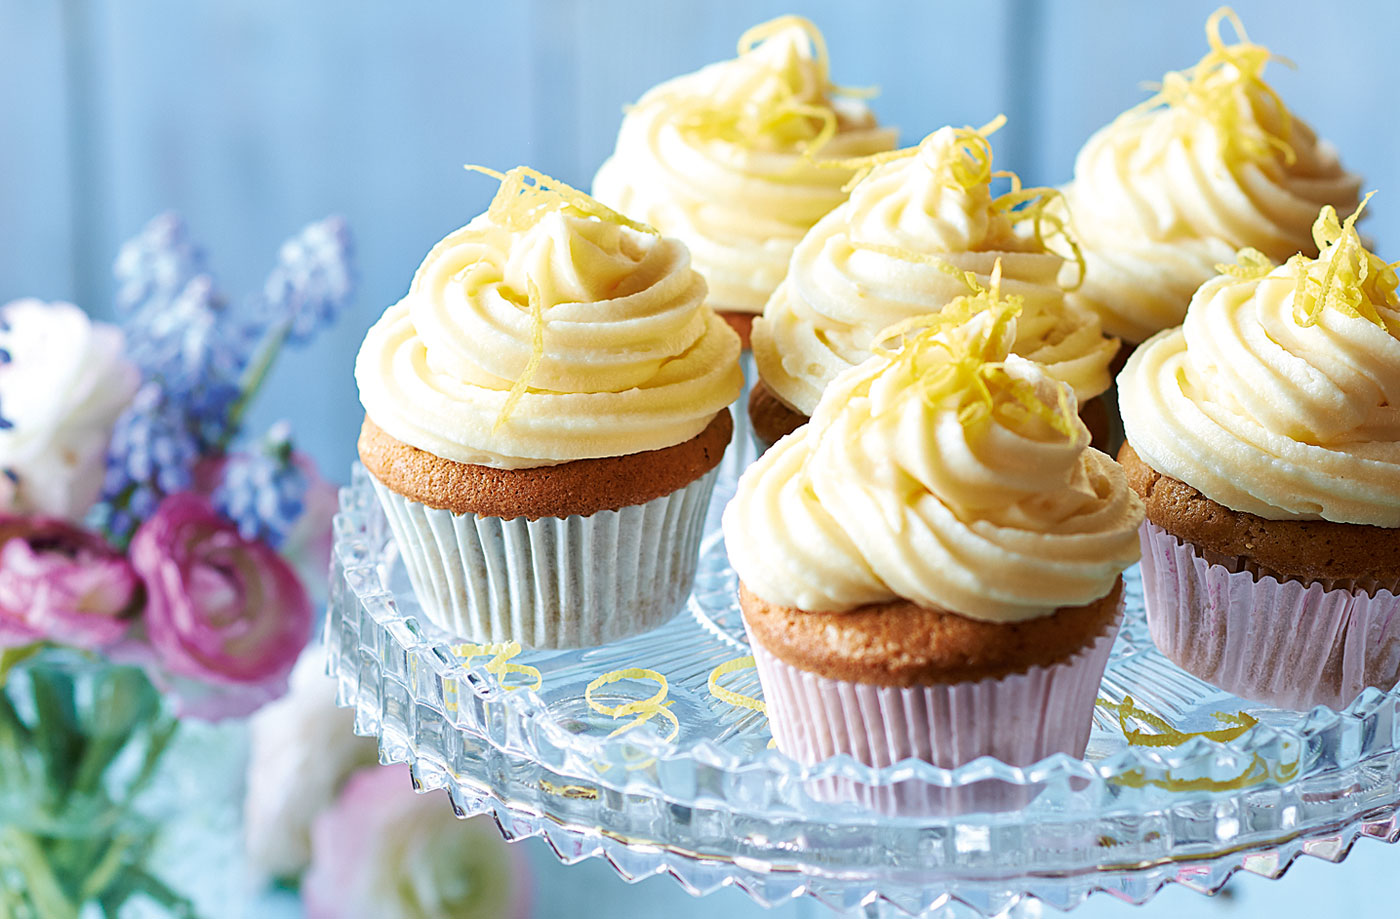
(253, 117)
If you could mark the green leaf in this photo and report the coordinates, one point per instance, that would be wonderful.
(9, 657)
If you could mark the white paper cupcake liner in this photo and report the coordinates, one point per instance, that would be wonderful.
(1019, 719)
(1286, 644)
(555, 582)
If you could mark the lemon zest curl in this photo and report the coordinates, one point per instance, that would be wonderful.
(500, 663)
(1345, 276)
(762, 107)
(526, 197)
(1250, 265)
(969, 370)
(532, 366)
(1222, 85)
(644, 709)
(966, 164)
(737, 699)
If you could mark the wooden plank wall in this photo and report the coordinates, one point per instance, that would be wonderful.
(252, 117)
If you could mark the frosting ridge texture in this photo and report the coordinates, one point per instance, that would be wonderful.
(1280, 395)
(1213, 163)
(734, 159)
(950, 473)
(921, 229)
(547, 330)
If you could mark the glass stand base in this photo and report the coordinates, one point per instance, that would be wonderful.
(1182, 783)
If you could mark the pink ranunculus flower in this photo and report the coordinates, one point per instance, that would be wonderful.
(62, 584)
(221, 610)
(383, 852)
(307, 545)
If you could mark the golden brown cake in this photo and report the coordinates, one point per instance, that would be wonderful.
(582, 487)
(902, 644)
(1298, 550)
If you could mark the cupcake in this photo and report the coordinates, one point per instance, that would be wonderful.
(932, 567)
(735, 160)
(1264, 437)
(921, 229)
(1212, 163)
(544, 414)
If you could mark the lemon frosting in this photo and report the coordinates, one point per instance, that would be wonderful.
(920, 229)
(1280, 395)
(950, 473)
(549, 329)
(730, 159)
(1212, 163)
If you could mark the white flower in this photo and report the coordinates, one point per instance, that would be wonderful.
(385, 853)
(63, 382)
(303, 748)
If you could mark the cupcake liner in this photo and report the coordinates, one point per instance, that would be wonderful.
(555, 582)
(1283, 643)
(1019, 719)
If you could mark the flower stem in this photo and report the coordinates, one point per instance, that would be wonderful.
(255, 376)
(53, 731)
(138, 880)
(105, 869)
(14, 740)
(28, 856)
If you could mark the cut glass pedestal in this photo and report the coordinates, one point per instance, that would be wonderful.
(713, 805)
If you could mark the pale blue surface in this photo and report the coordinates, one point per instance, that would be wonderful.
(1311, 889)
(253, 117)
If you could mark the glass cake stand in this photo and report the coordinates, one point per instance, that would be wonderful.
(653, 753)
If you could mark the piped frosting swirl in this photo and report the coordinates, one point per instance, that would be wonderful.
(548, 329)
(948, 472)
(730, 158)
(1212, 163)
(1280, 395)
(922, 227)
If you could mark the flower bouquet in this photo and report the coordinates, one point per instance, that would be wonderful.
(353, 836)
(148, 575)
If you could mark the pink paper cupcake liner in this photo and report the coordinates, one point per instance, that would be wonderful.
(1285, 644)
(1019, 719)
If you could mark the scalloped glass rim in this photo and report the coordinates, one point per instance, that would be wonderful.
(364, 551)
(1126, 820)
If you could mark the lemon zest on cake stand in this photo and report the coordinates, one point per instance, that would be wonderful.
(644, 709)
(729, 696)
(737, 699)
(1163, 733)
(500, 663)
